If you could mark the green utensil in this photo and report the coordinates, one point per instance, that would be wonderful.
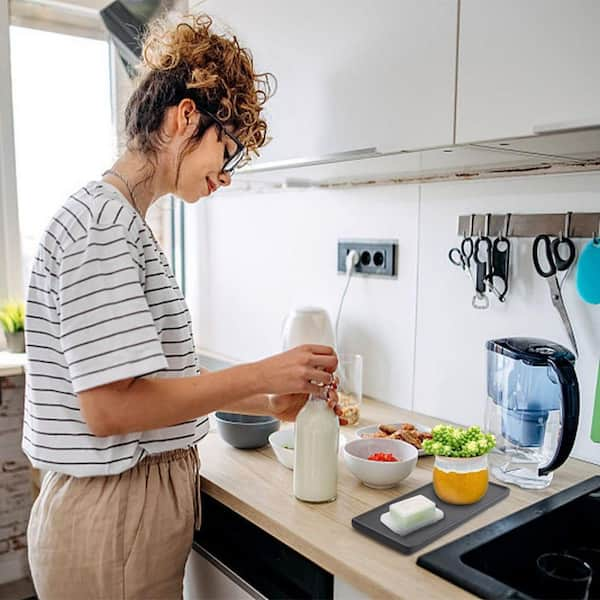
(595, 435)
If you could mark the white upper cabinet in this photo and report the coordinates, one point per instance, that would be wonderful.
(526, 67)
(351, 75)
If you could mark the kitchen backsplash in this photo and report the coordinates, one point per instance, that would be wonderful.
(252, 256)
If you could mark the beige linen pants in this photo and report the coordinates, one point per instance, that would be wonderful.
(120, 537)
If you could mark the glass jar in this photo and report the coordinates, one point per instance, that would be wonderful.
(460, 480)
(349, 372)
(317, 436)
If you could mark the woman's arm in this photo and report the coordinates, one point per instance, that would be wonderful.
(141, 404)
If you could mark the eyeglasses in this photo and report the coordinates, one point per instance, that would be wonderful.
(234, 149)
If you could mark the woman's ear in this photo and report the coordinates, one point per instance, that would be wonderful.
(186, 116)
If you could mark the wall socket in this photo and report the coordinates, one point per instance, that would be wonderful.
(376, 257)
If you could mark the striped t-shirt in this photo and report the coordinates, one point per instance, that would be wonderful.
(102, 306)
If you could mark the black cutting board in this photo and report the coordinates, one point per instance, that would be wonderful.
(454, 515)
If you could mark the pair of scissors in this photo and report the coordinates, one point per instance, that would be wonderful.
(461, 257)
(556, 263)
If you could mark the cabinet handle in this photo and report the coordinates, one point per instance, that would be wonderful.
(229, 573)
(564, 126)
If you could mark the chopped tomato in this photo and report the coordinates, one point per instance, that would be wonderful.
(383, 457)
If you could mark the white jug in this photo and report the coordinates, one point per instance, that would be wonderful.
(307, 325)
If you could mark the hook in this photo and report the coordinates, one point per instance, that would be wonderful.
(504, 235)
(487, 224)
(567, 229)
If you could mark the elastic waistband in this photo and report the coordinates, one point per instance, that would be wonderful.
(169, 456)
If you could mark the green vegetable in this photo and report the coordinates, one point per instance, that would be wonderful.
(461, 443)
(12, 317)
(288, 447)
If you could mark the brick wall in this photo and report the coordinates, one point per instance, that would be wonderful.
(15, 482)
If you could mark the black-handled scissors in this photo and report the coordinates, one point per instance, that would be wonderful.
(461, 257)
(552, 250)
(556, 263)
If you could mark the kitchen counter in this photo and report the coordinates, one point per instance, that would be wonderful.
(255, 485)
(12, 364)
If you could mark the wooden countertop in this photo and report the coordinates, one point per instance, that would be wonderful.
(255, 485)
(12, 363)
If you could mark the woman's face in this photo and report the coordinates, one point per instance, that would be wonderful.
(201, 171)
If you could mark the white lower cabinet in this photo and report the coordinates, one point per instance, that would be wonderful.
(206, 578)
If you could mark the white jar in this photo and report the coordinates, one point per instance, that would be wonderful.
(316, 452)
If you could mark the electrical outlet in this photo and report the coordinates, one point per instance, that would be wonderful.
(376, 257)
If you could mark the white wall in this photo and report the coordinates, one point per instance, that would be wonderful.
(253, 256)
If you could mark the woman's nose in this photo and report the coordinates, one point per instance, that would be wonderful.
(224, 179)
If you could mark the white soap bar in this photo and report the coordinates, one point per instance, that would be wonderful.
(388, 521)
(412, 511)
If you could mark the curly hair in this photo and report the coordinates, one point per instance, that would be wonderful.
(188, 60)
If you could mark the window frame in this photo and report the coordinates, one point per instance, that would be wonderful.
(72, 17)
(11, 285)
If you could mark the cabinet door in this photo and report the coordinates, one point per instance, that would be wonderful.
(204, 580)
(526, 65)
(351, 75)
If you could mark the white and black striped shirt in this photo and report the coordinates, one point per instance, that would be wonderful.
(102, 306)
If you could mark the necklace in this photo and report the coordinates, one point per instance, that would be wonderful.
(124, 180)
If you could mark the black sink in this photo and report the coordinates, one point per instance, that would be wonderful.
(499, 560)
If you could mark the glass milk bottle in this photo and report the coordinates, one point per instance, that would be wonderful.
(316, 452)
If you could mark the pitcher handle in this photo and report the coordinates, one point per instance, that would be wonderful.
(570, 412)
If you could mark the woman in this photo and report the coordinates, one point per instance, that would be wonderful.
(114, 403)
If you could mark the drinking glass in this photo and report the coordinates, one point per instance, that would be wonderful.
(563, 576)
(350, 372)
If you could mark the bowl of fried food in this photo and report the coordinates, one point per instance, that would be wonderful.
(412, 433)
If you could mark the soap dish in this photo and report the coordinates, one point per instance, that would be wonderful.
(386, 519)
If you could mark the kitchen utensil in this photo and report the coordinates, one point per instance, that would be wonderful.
(282, 442)
(370, 429)
(307, 325)
(461, 256)
(588, 271)
(483, 261)
(376, 474)
(556, 263)
(369, 522)
(500, 266)
(245, 431)
(532, 409)
(595, 435)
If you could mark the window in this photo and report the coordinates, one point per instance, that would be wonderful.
(65, 104)
(64, 129)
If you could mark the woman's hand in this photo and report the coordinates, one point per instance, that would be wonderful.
(287, 406)
(303, 370)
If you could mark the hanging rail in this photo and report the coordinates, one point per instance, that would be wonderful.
(582, 225)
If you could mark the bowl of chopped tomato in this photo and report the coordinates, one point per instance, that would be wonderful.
(380, 463)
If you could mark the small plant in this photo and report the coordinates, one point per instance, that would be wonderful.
(461, 443)
(12, 317)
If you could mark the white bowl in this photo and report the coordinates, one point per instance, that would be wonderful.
(285, 437)
(375, 474)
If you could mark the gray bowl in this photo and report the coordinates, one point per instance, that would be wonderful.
(245, 431)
